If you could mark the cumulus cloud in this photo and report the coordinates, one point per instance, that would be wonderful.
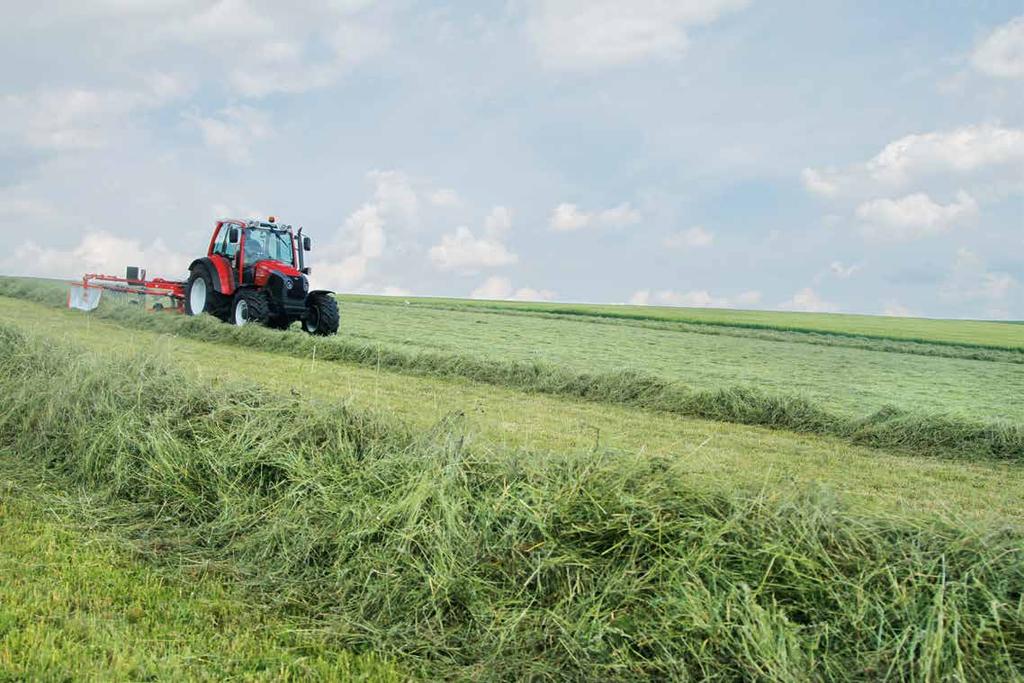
(69, 119)
(395, 196)
(233, 131)
(97, 252)
(808, 300)
(692, 238)
(913, 217)
(500, 288)
(363, 238)
(993, 293)
(582, 34)
(465, 252)
(694, 299)
(567, 217)
(1001, 54)
(959, 152)
(364, 228)
(265, 48)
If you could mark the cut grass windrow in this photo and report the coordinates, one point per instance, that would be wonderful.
(889, 427)
(492, 565)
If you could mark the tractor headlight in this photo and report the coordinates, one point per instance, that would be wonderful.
(305, 285)
(288, 284)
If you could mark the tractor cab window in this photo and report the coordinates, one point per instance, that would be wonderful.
(265, 243)
(224, 245)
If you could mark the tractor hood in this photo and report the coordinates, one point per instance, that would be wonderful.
(263, 269)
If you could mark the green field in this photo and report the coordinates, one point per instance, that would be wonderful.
(487, 490)
(956, 332)
(853, 380)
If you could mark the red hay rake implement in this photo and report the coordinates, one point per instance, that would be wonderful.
(156, 295)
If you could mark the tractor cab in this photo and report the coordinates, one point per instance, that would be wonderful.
(254, 249)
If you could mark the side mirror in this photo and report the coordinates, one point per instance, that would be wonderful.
(233, 235)
(306, 244)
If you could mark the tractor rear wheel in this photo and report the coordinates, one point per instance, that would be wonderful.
(249, 306)
(200, 296)
(322, 317)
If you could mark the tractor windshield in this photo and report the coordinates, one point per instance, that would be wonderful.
(266, 243)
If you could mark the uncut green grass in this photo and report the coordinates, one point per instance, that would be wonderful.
(714, 455)
(77, 602)
(958, 332)
(516, 565)
(890, 426)
(847, 380)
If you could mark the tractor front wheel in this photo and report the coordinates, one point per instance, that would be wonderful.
(249, 306)
(322, 317)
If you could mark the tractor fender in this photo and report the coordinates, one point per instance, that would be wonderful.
(322, 291)
(220, 272)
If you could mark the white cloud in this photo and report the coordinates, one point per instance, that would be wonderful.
(395, 197)
(465, 252)
(266, 48)
(581, 34)
(97, 252)
(810, 301)
(816, 182)
(694, 299)
(841, 271)
(692, 238)
(67, 119)
(960, 152)
(567, 217)
(913, 217)
(498, 222)
(1001, 54)
(970, 281)
(364, 228)
(500, 288)
(233, 131)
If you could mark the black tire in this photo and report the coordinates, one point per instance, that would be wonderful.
(322, 317)
(207, 300)
(249, 306)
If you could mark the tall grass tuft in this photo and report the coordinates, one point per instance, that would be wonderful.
(891, 427)
(497, 565)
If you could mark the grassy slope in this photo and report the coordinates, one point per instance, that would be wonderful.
(595, 566)
(967, 332)
(855, 381)
(75, 604)
(716, 455)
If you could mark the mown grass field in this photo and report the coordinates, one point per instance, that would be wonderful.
(471, 493)
(955, 332)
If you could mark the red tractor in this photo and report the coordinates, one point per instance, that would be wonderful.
(254, 272)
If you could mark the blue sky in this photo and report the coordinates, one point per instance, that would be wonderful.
(860, 157)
